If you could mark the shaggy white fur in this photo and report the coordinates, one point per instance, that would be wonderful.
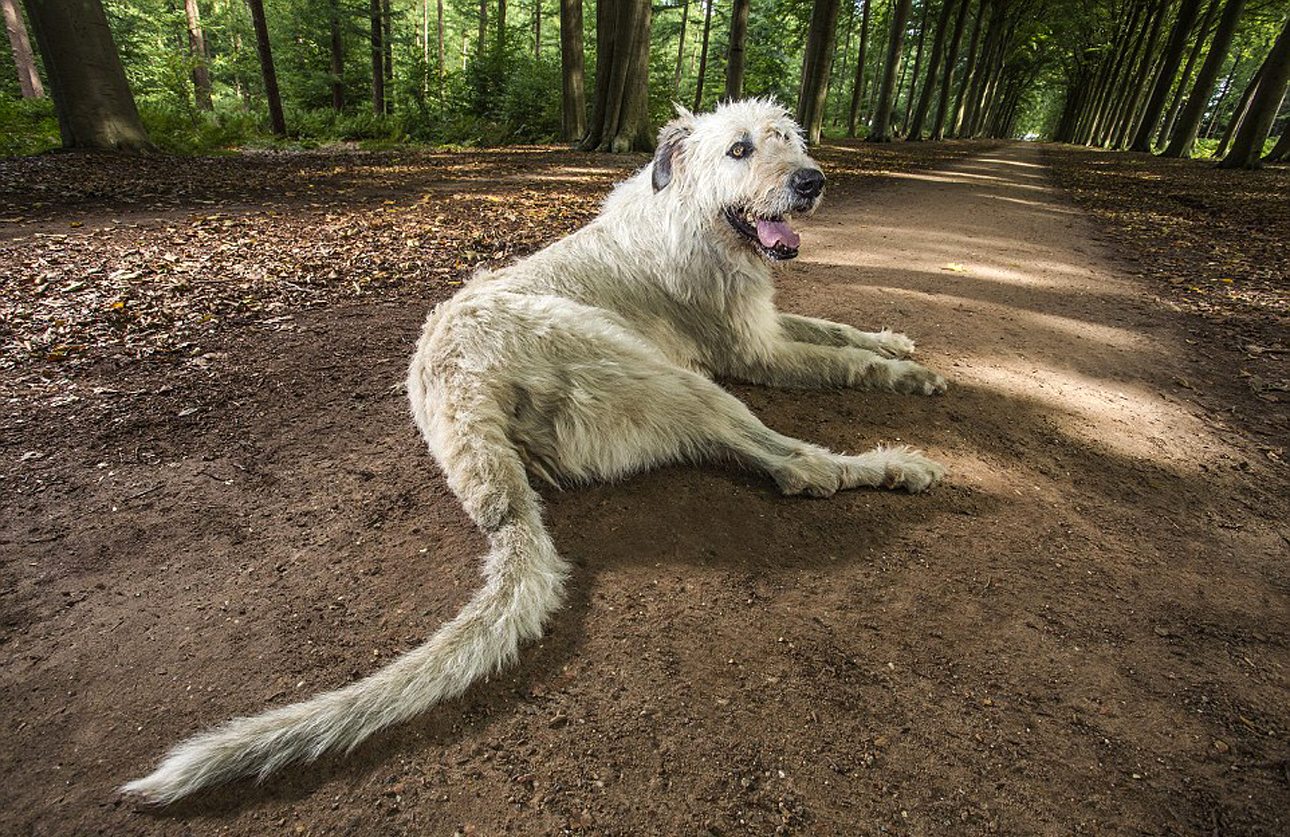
(590, 360)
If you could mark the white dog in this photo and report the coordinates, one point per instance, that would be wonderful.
(588, 361)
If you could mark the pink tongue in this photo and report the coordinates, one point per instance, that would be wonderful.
(776, 233)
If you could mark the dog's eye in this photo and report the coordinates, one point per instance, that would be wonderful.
(740, 150)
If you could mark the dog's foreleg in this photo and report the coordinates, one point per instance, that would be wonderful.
(788, 363)
(887, 343)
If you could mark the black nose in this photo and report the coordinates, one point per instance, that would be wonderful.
(807, 183)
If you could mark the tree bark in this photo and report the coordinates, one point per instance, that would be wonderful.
(387, 66)
(703, 54)
(1184, 136)
(378, 57)
(501, 27)
(620, 109)
(1111, 86)
(91, 95)
(1247, 146)
(1164, 77)
(1238, 115)
(1137, 69)
(735, 58)
(572, 71)
(1281, 151)
(201, 59)
(483, 28)
(933, 70)
(918, 63)
(969, 69)
(680, 50)
(267, 71)
(537, 29)
(983, 75)
(1184, 80)
(23, 59)
(881, 130)
(947, 80)
(337, 60)
(857, 87)
(814, 89)
(443, 62)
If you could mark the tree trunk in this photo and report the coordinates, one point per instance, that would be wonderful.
(857, 88)
(1224, 90)
(947, 80)
(387, 44)
(537, 30)
(483, 28)
(620, 110)
(91, 95)
(501, 27)
(1184, 136)
(1164, 77)
(815, 68)
(201, 59)
(1141, 81)
(1135, 69)
(572, 70)
(680, 50)
(267, 71)
(1184, 80)
(881, 130)
(1250, 137)
(969, 70)
(378, 58)
(337, 60)
(1113, 87)
(735, 58)
(983, 75)
(1238, 115)
(933, 70)
(23, 59)
(703, 54)
(1281, 151)
(918, 63)
(443, 63)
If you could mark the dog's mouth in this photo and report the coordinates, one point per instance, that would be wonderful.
(771, 237)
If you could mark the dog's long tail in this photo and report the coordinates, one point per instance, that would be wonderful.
(524, 580)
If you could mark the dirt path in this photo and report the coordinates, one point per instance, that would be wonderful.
(1083, 630)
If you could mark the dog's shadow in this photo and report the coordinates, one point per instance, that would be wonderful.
(713, 516)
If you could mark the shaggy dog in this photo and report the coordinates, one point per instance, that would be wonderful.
(590, 360)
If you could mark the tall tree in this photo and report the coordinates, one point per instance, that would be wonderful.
(277, 122)
(572, 71)
(1184, 136)
(1136, 68)
(815, 68)
(620, 109)
(387, 59)
(1165, 75)
(947, 81)
(857, 87)
(680, 49)
(1250, 137)
(201, 58)
(1184, 79)
(23, 59)
(501, 27)
(969, 69)
(735, 57)
(933, 70)
(703, 54)
(881, 129)
(537, 29)
(92, 98)
(337, 52)
(378, 57)
(1280, 152)
(1238, 115)
(918, 61)
(483, 27)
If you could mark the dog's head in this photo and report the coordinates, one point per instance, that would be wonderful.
(743, 168)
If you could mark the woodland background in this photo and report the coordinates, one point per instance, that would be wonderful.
(1179, 75)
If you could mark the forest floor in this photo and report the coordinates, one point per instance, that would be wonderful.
(213, 500)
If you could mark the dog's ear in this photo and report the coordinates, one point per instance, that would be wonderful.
(670, 140)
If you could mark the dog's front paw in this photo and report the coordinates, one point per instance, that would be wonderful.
(906, 468)
(914, 379)
(893, 344)
(813, 473)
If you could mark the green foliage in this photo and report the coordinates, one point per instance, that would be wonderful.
(27, 126)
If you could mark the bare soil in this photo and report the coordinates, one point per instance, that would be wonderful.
(1084, 629)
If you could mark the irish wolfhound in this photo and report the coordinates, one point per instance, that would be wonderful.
(588, 361)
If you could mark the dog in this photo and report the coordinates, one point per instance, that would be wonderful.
(590, 360)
